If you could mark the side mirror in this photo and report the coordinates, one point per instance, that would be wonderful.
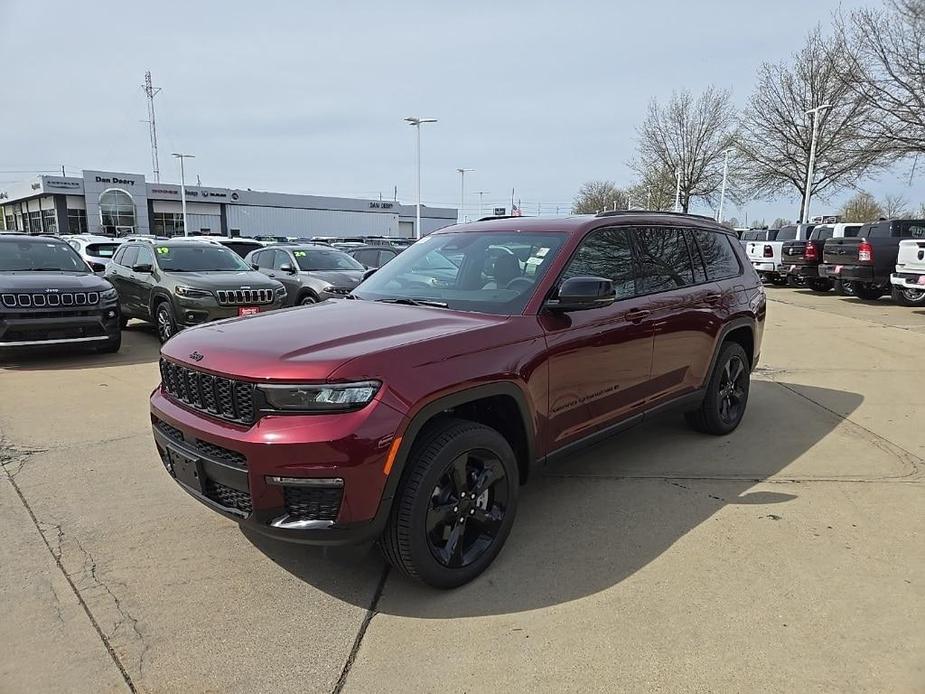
(581, 293)
(143, 267)
(287, 268)
(255, 266)
(369, 273)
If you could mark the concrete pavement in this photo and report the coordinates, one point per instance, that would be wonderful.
(787, 556)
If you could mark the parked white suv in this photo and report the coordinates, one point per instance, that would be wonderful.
(96, 250)
(766, 256)
(909, 279)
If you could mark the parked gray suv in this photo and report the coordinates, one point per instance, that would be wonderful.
(310, 272)
(179, 283)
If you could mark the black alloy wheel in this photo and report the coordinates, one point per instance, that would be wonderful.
(467, 508)
(908, 296)
(307, 299)
(455, 504)
(723, 404)
(166, 325)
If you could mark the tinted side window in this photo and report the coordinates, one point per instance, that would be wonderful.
(663, 261)
(368, 256)
(718, 254)
(605, 253)
(700, 271)
(912, 230)
(880, 230)
(788, 233)
(266, 260)
(851, 232)
(117, 258)
(386, 256)
(282, 258)
(129, 257)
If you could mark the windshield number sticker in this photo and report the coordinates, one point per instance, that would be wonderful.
(299, 254)
(163, 250)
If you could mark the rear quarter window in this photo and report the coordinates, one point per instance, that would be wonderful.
(718, 255)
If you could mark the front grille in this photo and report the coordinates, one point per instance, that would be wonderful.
(244, 297)
(170, 432)
(221, 397)
(216, 452)
(313, 503)
(228, 497)
(50, 299)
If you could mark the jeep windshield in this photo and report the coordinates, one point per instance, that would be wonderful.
(40, 256)
(198, 259)
(310, 259)
(491, 272)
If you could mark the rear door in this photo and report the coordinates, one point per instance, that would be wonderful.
(289, 277)
(599, 359)
(682, 301)
(126, 284)
(144, 281)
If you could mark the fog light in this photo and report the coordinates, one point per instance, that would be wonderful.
(110, 313)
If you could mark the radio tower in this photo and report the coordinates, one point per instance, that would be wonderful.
(150, 92)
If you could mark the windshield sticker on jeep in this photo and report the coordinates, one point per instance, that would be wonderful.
(163, 250)
(299, 254)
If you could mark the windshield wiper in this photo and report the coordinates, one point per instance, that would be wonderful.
(414, 302)
(53, 269)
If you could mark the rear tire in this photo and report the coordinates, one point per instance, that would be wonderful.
(908, 296)
(867, 292)
(820, 285)
(724, 403)
(458, 472)
(843, 288)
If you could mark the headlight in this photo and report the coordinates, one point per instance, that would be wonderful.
(329, 289)
(192, 292)
(320, 397)
(109, 295)
(281, 291)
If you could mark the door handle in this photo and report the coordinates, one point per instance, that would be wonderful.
(636, 314)
(713, 298)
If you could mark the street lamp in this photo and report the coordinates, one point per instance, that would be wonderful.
(181, 157)
(722, 193)
(812, 159)
(677, 190)
(462, 192)
(482, 193)
(416, 122)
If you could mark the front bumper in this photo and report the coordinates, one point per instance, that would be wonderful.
(235, 464)
(40, 327)
(908, 280)
(194, 311)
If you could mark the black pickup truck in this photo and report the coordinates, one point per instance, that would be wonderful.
(801, 259)
(868, 260)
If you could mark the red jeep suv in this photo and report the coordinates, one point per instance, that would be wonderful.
(412, 410)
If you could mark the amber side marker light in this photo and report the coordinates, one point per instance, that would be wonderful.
(393, 453)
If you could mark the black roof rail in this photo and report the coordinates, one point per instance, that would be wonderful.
(502, 216)
(617, 213)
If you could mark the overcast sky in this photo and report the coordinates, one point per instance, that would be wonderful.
(308, 97)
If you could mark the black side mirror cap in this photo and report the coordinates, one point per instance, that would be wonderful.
(143, 267)
(369, 273)
(583, 293)
(254, 266)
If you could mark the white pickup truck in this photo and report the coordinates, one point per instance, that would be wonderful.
(908, 282)
(766, 256)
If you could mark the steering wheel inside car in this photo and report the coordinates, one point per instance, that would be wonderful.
(519, 283)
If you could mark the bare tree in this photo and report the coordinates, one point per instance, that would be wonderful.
(598, 196)
(688, 135)
(655, 189)
(777, 132)
(780, 222)
(894, 206)
(861, 207)
(885, 48)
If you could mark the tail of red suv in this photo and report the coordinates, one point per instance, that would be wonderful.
(412, 411)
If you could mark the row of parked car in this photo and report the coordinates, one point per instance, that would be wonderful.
(862, 260)
(84, 289)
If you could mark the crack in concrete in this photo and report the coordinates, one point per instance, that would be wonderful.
(364, 625)
(14, 458)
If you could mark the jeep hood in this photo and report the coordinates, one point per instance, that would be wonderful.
(30, 281)
(311, 342)
(233, 279)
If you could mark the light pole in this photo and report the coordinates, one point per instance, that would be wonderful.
(677, 190)
(722, 193)
(181, 157)
(481, 194)
(416, 122)
(807, 194)
(462, 192)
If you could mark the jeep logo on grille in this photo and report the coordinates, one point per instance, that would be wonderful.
(196, 356)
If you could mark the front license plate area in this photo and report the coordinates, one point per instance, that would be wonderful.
(921, 279)
(186, 470)
(248, 310)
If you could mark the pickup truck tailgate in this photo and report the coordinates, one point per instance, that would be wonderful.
(842, 251)
(911, 256)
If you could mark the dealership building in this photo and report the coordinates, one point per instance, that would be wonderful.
(114, 203)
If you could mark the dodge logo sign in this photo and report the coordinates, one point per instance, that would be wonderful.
(196, 356)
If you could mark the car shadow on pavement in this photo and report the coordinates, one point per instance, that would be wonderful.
(139, 346)
(589, 522)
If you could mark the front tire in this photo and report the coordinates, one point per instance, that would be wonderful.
(308, 299)
(164, 321)
(455, 506)
(908, 296)
(724, 403)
